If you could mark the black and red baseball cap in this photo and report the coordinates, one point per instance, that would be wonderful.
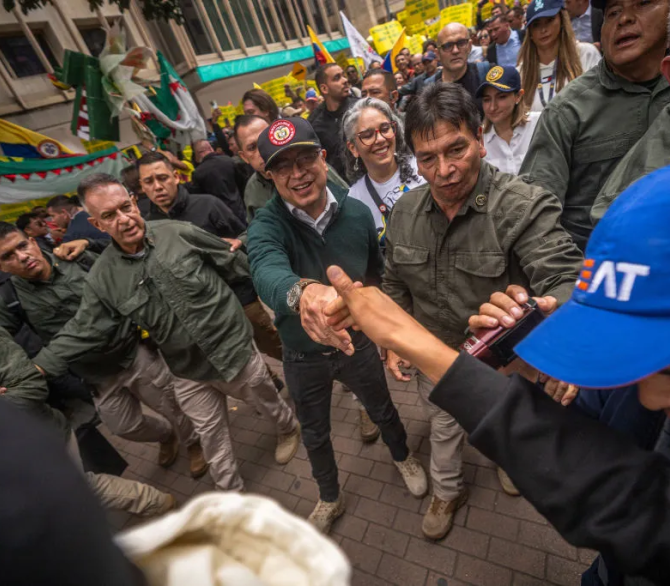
(285, 134)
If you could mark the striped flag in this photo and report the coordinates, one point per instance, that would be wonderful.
(389, 61)
(321, 54)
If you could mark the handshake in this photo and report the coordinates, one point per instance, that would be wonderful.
(327, 312)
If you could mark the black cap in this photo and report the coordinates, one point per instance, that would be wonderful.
(285, 134)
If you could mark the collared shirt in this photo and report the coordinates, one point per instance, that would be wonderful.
(582, 26)
(507, 232)
(508, 157)
(508, 52)
(324, 218)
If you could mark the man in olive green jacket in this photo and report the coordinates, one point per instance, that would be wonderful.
(470, 232)
(172, 279)
(45, 293)
(22, 385)
(650, 153)
(596, 119)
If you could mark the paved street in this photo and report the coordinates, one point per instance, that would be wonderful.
(497, 540)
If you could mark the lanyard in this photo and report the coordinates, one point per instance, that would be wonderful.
(540, 89)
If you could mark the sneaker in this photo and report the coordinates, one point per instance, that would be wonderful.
(287, 446)
(169, 450)
(439, 519)
(369, 431)
(324, 514)
(198, 464)
(507, 484)
(414, 476)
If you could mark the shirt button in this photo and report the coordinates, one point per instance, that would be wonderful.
(480, 200)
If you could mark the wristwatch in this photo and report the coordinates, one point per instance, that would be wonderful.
(295, 293)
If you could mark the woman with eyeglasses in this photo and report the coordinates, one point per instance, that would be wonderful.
(551, 56)
(508, 125)
(379, 165)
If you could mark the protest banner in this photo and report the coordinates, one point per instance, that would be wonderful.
(463, 13)
(385, 35)
(419, 11)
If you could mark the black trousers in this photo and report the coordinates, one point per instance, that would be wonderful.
(310, 380)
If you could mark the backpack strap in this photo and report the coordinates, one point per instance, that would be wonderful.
(383, 208)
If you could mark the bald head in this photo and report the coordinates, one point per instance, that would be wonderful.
(454, 46)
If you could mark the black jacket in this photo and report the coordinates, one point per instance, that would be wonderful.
(492, 51)
(592, 483)
(217, 176)
(596, 23)
(328, 127)
(415, 85)
(202, 210)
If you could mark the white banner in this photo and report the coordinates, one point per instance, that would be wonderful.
(357, 43)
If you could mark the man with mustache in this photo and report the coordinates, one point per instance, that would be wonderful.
(594, 121)
(451, 244)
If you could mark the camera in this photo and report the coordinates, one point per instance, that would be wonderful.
(495, 346)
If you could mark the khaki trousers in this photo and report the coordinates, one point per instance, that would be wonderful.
(148, 380)
(446, 446)
(206, 405)
(118, 493)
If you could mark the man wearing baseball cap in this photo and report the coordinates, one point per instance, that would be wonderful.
(594, 485)
(415, 85)
(309, 224)
(595, 120)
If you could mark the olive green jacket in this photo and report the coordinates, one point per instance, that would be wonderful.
(652, 152)
(581, 136)
(259, 191)
(49, 305)
(26, 387)
(507, 232)
(178, 291)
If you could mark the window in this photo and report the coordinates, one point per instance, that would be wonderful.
(19, 55)
(95, 39)
(194, 28)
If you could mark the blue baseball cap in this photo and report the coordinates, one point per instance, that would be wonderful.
(542, 9)
(310, 94)
(505, 79)
(429, 56)
(615, 330)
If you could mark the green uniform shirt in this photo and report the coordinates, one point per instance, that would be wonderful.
(507, 232)
(652, 152)
(26, 387)
(49, 305)
(583, 133)
(178, 291)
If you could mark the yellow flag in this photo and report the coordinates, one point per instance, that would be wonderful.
(321, 54)
(299, 71)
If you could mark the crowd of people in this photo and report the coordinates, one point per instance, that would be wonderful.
(405, 212)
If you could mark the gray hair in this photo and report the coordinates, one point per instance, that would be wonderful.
(402, 153)
(93, 182)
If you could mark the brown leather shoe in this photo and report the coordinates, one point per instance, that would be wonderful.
(199, 465)
(439, 519)
(507, 484)
(169, 451)
(369, 431)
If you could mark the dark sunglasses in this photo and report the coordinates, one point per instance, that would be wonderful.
(461, 44)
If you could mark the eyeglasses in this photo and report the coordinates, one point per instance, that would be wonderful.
(449, 47)
(369, 136)
(304, 161)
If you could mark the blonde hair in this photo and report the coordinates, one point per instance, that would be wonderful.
(569, 62)
(519, 116)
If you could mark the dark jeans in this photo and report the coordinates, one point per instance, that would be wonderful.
(619, 409)
(310, 381)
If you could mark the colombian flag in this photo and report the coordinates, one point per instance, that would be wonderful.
(16, 141)
(321, 54)
(389, 60)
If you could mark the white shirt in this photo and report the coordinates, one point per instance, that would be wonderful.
(508, 157)
(389, 192)
(324, 218)
(589, 56)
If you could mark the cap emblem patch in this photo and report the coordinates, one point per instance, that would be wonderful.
(495, 73)
(281, 132)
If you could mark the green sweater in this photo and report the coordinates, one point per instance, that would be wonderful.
(283, 250)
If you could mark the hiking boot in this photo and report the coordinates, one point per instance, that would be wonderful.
(414, 476)
(439, 519)
(369, 431)
(507, 484)
(287, 446)
(324, 514)
(198, 464)
(169, 450)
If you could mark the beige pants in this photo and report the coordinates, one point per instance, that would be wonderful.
(118, 493)
(206, 406)
(446, 446)
(148, 380)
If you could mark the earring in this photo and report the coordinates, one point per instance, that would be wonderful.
(356, 165)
